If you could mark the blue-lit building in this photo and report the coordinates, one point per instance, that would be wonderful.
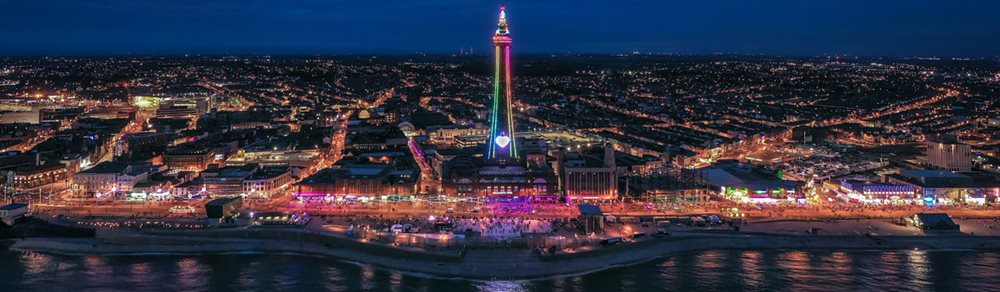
(878, 192)
(948, 187)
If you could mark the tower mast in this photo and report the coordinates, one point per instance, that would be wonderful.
(502, 143)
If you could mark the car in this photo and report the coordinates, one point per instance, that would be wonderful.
(611, 241)
(182, 210)
(450, 210)
(474, 210)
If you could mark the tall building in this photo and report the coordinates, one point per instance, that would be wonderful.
(949, 154)
(502, 175)
(502, 145)
(590, 177)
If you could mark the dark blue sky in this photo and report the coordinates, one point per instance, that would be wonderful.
(803, 27)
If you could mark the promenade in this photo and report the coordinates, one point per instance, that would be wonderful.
(487, 263)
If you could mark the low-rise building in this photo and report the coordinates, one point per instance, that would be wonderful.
(748, 183)
(189, 159)
(866, 191)
(32, 176)
(302, 159)
(267, 181)
(934, 222)
(223, 211)
(112, 177)
(947, 187)
(227, 180)
(359, 181)
(13, 212)
(471, 176)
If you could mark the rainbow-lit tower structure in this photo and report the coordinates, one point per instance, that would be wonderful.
(502, 144)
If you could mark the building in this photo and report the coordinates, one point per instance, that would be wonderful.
(948, 187)
(470, 141)
(267, 181)
(590, 178)
(467, 175)
(98, 180)
(993, 122)
(32, 176)
(502, 143)
(223, 211)
(13, 212)
(501, 175)
(189, 158)
(160, 186)
(447, 135)
(934, 222)
(25, 114)
(373, 141)
(140, 139)
(748, 183)
(182, 107)
(878, 192)
(359, 181)
(669, 186)
(515, 184)
(301, 159)
(227, 180)
(591, 217)
(949, 154)
(112, 177)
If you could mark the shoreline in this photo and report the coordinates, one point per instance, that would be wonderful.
(492, 264)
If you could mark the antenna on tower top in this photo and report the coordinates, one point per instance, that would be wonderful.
(502, 27)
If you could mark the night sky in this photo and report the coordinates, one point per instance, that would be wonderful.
(804, 27)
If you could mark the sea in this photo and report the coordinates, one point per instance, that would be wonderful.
(772, 270)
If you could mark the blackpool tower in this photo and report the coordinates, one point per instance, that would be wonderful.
(502, 145)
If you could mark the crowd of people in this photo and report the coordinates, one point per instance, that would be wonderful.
(484, 226)
(503, 227)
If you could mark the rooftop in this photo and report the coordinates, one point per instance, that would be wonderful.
(733, 174)
(108, 167)
(589, 210)
(222, 201)
(14, 206)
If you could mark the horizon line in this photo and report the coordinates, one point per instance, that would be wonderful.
(455, 54)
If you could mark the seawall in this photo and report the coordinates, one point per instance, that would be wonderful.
(484, 263)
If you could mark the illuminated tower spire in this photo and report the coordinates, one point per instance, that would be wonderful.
(502, 145)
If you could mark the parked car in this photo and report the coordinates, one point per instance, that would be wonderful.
(182, 210)
(611, 241)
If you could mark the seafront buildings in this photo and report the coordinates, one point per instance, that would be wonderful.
(369, 154)
(501, 127)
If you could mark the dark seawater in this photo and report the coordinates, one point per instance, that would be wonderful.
(704, 271)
